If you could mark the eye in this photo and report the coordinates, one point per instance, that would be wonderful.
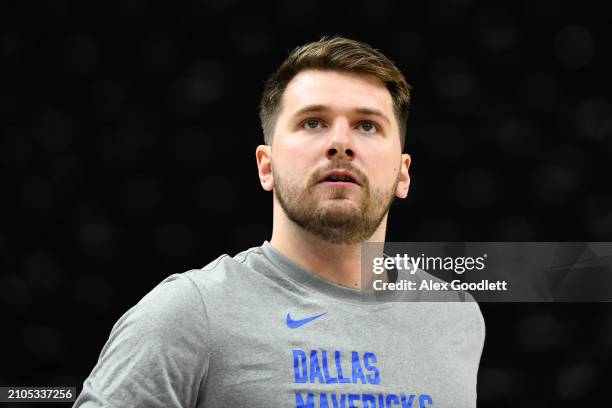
(311, 124)
(368, 127)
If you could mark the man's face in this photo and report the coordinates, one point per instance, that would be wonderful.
(336, 155)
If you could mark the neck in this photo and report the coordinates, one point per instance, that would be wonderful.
(336, 263)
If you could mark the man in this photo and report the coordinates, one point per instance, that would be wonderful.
(285, 324)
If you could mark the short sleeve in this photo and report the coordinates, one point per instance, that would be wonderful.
(157, 354)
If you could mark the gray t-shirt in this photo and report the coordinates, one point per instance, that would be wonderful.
(257, 330)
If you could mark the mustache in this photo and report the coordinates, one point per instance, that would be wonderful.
(336, 165)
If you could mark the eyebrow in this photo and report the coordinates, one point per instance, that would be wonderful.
(360, 110)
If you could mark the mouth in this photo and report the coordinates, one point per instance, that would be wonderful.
(340, 178)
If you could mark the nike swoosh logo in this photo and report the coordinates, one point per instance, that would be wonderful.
(294, 324)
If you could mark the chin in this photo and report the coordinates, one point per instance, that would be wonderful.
(340, 214)
(341, 205)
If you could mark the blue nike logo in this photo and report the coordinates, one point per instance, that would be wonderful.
(294, 324)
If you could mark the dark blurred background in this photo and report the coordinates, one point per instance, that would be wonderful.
(127, 139)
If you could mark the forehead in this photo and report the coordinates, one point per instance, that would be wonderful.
(337, 89)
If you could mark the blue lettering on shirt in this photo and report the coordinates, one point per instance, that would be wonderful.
(328, 379)
(299, 360)
(425, 399)
(373, 378)
(369, 401)
(341, 379)
(356, 370)
(391, 399)
(315, 368)
(353, 398)
(342, 404)
(323, 401)
(407, 404)
(299, 401)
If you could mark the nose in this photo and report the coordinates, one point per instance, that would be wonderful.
(340, 145)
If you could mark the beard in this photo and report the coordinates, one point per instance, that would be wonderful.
(329, 213)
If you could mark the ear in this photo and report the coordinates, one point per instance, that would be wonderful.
(263, 155)
(404, 178)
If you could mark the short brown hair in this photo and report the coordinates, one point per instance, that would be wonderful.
(337, 54)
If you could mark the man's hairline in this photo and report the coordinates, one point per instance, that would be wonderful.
(277, 112)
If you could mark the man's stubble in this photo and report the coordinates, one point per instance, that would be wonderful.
(328, 214)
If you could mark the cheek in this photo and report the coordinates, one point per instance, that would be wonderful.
(293, 162)
(383, 172)
(385, 180)
(289, 172)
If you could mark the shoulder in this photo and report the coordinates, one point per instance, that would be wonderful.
(175, 305)
(163, 337)
(224, 272)
(459, 304)
(428, 283)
